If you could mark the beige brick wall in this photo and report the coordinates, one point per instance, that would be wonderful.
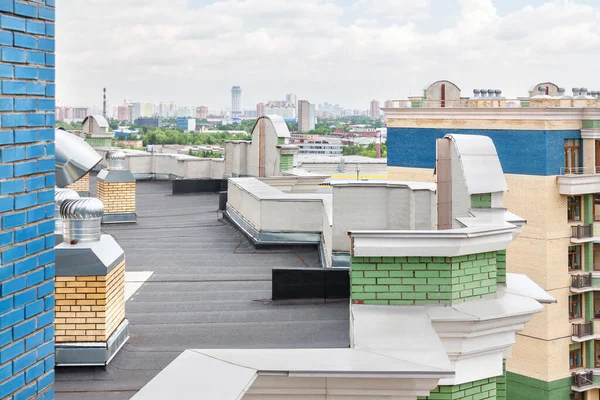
(539, 359)
(410, 174)
(89, 308)
(117, 197)
(589, 155)
(82, 185)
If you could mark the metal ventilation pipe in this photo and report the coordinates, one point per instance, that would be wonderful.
(484, 93)
(476, 93)
(60, 196)
(82, 219)
(74, 158)
(498, 93)
(584, 92)
(491, 92)
(561, 92)
(576, 92)
(116, 160)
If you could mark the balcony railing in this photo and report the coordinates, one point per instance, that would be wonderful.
(582, 379)
(581, 281)
(582, 231)
(581, 330)
(578, 170)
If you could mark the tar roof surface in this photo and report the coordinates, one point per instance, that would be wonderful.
(207, 278)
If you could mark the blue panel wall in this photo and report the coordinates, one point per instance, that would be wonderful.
(26, 199)
(521, 152)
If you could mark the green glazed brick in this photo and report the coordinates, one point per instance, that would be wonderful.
(460, 259)
(358, 289)
(488, 386)
(455, 295)
(490, 254)
(426, 288)
(387, 259)
(466, 293)
(472, 271)
(376, 289)
(439, 296)
(414, 267)
(439, 259)
(457, 266)
(376, 274)
(414, 281)
(413, 260)
(389, 296)
(481, 256)
(402, 288)
(502, 280)
(363, 296)
(472, 257)
(488, 268)
(389, 267)
(501, 272)
(425, 259)
(375, 259)
(476, 277)
(363, 281)
(481, 396)
(400, 259)
(460, 272)
(458, 288)
(465, 264)
(445, 274)
(357, 274)
(426, 274)
(488, 282)
(438, 281)
(472, 285)
(492, 393)
(480, 291)
(357, 259)
(402, 274)
(439, 267)
(389, 281)
(414, 296)
(480, 263)
(472, 391)
(377, 302)
(466, 279)
(363, 267)
(466, 385)
(492, 261)
(445, 288)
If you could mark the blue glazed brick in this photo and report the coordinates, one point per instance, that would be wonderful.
(5, 338)
(50, 29)
(34, 372)
(45, 350)
(25, 104)
(5, 371)
(13, 220)
(49, 273)
(50, 89)
(47, 165)
(25, 201)
(14, 186)
(45, 289)
(46, 196)
(12, 23)
(49, 333)
(14, 87)
(10, 54)
(50, 119)
(45, 258)
(34, 341)
(27, 233)
(50, 60)
(35, 88)
(46, 105)
(38, 28)
(6, 305)
(49, 363)
(6, 71)
(23, 330)
(46, 74)
(7, 137)
(36, 246)
(6, 38)
(25, 41)
(12, 286)
(26, 168)
(25, 136)
(27, 393)
(38, 182)
(46, 44)
(49, 395)
(45, 381)
(26, 72)
(6, 272)
(35, 277)
(35, 151)
(25, 361)
(50, 3)
(12, 120)
(9, 319)
(46, 134)
(6, 238)
(6, 104)
(6, 5)
(49, 210)
(50, 149)
(25, 9)
(49, 301)
(26, 265)
(13, 254)
(50, 242)
(12, 154)
(36, 214)
(34, 309)
(12, 385)
(47, 13)
(45, 319)
(7, 204)
(36, 57)
(25, 297)
(50, 178)
(36, 120)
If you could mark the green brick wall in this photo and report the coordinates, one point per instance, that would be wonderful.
(591, 124)
(280, 140)
(501, 266)
(286, 162)
(423, 280)
(478, 390)
(99, 142)
(521, 387)
(501, 383)
(481, 200)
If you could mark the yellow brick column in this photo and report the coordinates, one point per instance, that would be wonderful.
(116, 189)
(82, 186)
(90, 324)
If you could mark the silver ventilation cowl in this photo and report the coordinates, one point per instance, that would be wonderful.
(60, 196)
(116, 160)
(82, 220)
(74, 158)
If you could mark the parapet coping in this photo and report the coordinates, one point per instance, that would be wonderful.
(115, 176)
(88, 258)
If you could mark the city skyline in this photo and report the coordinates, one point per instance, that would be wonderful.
(350, 52)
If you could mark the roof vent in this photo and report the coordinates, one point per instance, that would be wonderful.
(498, 93)
(60, 196)
(584, 92)
(491, 92)
(576, 92)
(476, 93)
(82, 219)
(116, 160)
(484, 92)
(561, 92)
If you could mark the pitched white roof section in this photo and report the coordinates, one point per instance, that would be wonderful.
(281, 128)
(522, 285)
(480, 164)
(100, 120)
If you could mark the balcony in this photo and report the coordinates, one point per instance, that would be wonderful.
(578, 181)
(582, 380)
(582, 330)
(581, 283)
(582, 233)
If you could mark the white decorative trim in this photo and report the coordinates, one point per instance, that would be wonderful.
(496, 113)
(571, 185)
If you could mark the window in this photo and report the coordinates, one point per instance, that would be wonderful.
(572, 156)
(574, 258)
(576, 356)
(597, 307)
(597, 353)
(574, 208)
(577, 396)
(575, 306)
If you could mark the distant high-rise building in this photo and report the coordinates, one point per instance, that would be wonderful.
(306, 116)
(285, 109)
(148, 110)
(292, 98)
(389, 104)
(375, 112)
(123, 113)
(260, 110)
(202, 112)
(236, 102)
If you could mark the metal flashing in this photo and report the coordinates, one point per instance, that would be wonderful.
(115, 176)
(88, 259)
(119, 218)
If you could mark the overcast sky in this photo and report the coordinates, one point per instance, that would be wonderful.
(341, 51)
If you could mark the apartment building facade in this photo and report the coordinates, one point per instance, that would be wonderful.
(549, 149)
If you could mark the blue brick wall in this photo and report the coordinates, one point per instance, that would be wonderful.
(26, 199)
(525, 152)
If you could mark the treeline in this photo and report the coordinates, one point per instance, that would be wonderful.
(174, 136)
(365, 151)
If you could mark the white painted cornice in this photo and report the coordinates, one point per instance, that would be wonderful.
(509, 113)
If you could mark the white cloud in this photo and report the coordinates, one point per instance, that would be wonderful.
(156, 50)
